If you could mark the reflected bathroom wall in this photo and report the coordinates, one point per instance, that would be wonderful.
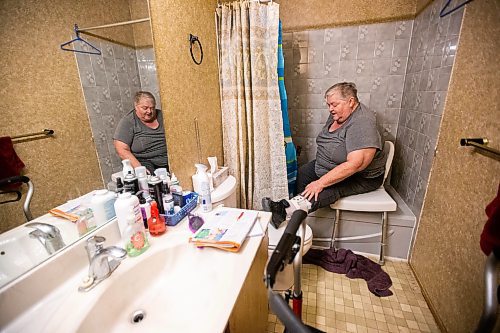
(109, 82)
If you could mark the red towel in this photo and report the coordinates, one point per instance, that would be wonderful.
(10, 164)
(490, 237)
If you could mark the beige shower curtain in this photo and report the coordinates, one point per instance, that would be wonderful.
(251, 112)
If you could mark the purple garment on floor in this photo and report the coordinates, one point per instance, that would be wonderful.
(354, 266)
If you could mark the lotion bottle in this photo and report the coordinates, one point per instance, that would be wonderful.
(125, 202)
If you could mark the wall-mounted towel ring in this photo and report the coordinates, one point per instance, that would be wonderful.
(194, 39)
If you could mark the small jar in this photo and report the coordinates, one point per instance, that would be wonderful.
(102, 204)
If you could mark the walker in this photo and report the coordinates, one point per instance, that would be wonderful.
(285, 253)
(4, 184)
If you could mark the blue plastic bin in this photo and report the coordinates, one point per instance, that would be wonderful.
(191, 202)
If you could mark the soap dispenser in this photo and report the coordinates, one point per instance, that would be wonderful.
(201, 184)
(136, 238)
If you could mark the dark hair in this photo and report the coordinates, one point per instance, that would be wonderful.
(143, 94)
(345, 89)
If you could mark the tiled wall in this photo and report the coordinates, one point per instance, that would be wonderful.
(402, 71)
(373, 56)
(432, 53)
(109, 82)
(147, 73)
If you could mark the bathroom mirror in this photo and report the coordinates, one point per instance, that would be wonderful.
(107, 83)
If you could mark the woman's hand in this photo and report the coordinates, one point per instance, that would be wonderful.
(312, 190)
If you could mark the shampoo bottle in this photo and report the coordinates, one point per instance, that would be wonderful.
(156, 222)
(136, 238)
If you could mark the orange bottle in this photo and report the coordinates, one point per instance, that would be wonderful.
(156, 223)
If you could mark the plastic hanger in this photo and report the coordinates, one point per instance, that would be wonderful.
(79, 39)
(443, 13)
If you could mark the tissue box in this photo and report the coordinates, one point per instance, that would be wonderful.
(220, 176)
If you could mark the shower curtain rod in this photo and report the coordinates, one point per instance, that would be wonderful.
(115, 24)
(219, 4)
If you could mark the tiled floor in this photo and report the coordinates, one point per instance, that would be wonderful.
(335, 303)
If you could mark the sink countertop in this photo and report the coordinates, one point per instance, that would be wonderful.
(197, 296)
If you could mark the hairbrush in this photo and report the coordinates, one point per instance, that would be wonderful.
(195, 222)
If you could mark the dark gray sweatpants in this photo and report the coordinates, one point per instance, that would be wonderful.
(355, 184)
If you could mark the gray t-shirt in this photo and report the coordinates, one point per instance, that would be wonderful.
(147, 144)
(358, 132)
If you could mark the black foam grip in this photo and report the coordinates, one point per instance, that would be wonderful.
(14, 180)
(293, 225)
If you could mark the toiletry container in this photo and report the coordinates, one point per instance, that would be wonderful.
(81, 226)
(168, 202)
(284, 280)
(156, 223)
(176, 190)
(142, 178)
(201, 184)
(135, 236)
(130, 183)
(127, 166)
(123, 204)
(225, 193)
(155, 190)
(103, 206)
(145, 208)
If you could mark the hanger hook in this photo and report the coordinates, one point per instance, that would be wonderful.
(77, 32)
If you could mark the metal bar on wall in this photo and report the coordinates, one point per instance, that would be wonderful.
(44, 132)
(481, 144)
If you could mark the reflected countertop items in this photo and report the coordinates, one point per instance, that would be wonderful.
(19, 252)
(28, 245)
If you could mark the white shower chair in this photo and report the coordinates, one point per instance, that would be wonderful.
(374, 201)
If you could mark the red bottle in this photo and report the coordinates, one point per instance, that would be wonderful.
(156, 223)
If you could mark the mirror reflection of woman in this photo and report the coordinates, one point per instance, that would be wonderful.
(140, 134)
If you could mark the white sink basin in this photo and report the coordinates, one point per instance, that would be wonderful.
(150, 285)
(19, 252)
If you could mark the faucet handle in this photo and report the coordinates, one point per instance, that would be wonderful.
(94, 245)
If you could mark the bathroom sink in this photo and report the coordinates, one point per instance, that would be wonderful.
(147, 293)
(19, 252)
(144, 292)
(172, 287)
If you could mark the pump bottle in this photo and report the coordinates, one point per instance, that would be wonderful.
(201, 184)
(136, 238)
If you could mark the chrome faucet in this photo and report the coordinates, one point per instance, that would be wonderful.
(48, 235)
(103, 261)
